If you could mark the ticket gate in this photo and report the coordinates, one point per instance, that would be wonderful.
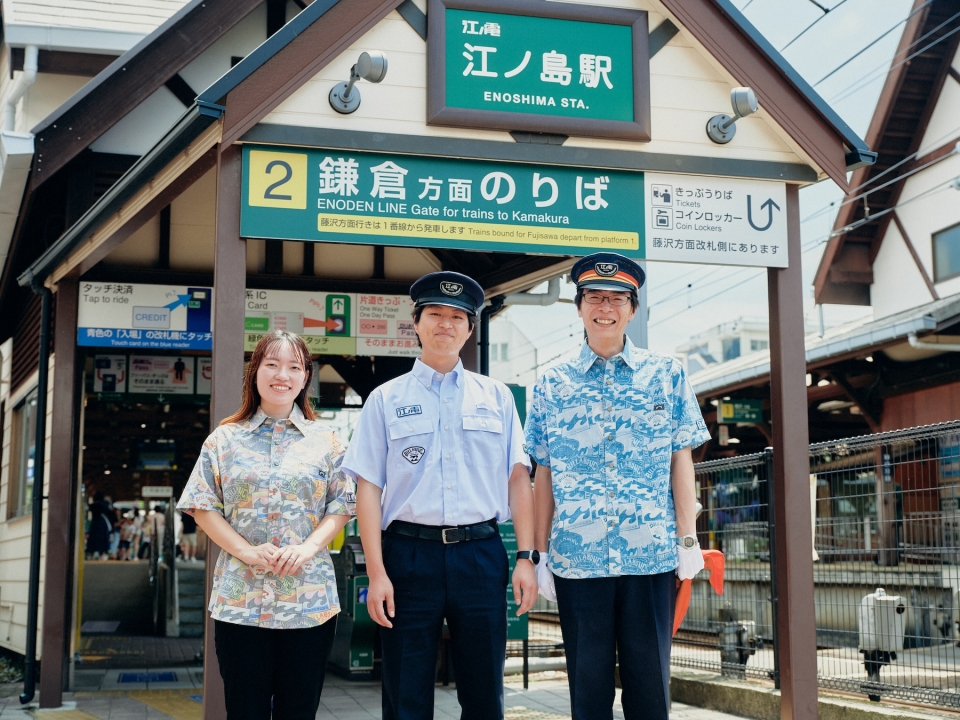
(353, 647)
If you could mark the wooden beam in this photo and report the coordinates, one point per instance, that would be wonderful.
(99, 107)
(61, 503)
(299, 61)
(913, 253)
(143, 205)
(791, 472)
(61, 62)
(229, 292)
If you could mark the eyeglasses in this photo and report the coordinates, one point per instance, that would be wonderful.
(614, 300)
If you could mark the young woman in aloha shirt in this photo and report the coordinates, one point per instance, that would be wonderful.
(268, 489)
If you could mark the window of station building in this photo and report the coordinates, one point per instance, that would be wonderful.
(946, 254)
(499, 352)
(756, 345)
(731, 349)
(23, 448)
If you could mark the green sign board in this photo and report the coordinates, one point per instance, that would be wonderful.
(517, 627)
(409, 200)
(542, 67)
(740, 411)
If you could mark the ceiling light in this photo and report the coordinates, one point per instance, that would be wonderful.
(372, 67)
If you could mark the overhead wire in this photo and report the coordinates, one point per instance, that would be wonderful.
(826, 11)
(872, 75)
(872, 43)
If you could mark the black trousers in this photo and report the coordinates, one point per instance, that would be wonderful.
(629, 618)
(286, 666)
(466, 583)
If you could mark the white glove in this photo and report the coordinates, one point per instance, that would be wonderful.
(545, 580)
(691, 562)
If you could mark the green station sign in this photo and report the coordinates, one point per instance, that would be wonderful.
(340, 196)
(740, 411)
(539, 66)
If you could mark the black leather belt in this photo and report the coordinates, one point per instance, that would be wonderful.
(446, 535)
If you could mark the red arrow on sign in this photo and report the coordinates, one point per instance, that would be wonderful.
(332, 324)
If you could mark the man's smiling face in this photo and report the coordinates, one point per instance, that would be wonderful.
(603, 319)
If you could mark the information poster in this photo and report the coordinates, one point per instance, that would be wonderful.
(334, 323)
(162, 375)
(156, 317)
(110, 373)
(722, 221)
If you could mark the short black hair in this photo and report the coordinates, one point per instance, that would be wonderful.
(634, 300)
(418, 311)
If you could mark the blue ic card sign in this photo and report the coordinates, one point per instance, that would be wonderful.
(134, 315)
(362, 596)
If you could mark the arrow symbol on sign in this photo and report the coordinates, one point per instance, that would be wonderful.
(769, 205)
(337, 305)
(181, 300)
(335, 324)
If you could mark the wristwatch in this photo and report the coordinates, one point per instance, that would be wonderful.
(531, 555)
(688, 541)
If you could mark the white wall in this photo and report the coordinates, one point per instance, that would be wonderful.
(927, 205)
(15, 533)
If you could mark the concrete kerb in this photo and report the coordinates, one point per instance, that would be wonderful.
(763, 703)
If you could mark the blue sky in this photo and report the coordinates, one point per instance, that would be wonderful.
(717, 295)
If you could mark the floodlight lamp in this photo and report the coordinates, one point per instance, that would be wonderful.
(372, 67)
(721, 128)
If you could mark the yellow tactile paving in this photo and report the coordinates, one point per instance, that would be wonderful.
(176, 703)
(518, 712)
(62, 714)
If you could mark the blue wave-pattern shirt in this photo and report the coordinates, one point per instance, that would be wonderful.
(607, 430)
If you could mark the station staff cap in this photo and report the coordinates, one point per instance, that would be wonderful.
(607, 271)
(448, 288)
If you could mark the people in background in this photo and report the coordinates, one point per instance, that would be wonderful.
(101, 528)
(269, 490)
(188, 537)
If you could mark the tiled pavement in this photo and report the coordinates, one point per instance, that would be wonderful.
(547, 699)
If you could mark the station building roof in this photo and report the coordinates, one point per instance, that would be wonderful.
(323, 31)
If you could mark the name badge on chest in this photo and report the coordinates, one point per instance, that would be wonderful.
(409, 410)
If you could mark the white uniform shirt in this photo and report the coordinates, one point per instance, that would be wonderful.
(441, 447)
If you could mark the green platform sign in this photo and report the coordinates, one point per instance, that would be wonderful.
(406, 200)
(544, 67)
(740, 411)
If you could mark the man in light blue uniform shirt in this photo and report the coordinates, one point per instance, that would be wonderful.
(439, 460)
(612, 433)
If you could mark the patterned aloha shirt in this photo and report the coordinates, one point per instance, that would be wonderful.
(607, 430)
(273, 480)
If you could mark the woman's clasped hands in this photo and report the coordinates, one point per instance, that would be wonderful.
(280, 561)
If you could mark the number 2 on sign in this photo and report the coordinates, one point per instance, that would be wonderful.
(277, 180)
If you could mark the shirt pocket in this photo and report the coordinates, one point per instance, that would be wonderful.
(483, 441)
(410, 441)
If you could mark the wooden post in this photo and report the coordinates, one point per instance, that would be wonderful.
(791, 477)
(61, 502)
(229, 289)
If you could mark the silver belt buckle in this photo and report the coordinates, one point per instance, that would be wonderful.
(443, 536)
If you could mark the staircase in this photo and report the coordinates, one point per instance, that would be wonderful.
(191, 579)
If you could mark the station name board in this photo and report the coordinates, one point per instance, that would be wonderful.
(409, 200)
(539, 66)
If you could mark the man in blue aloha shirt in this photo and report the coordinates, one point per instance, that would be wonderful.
(612, 433)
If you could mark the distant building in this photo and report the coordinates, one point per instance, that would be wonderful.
(723, 343)
(513, 358)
